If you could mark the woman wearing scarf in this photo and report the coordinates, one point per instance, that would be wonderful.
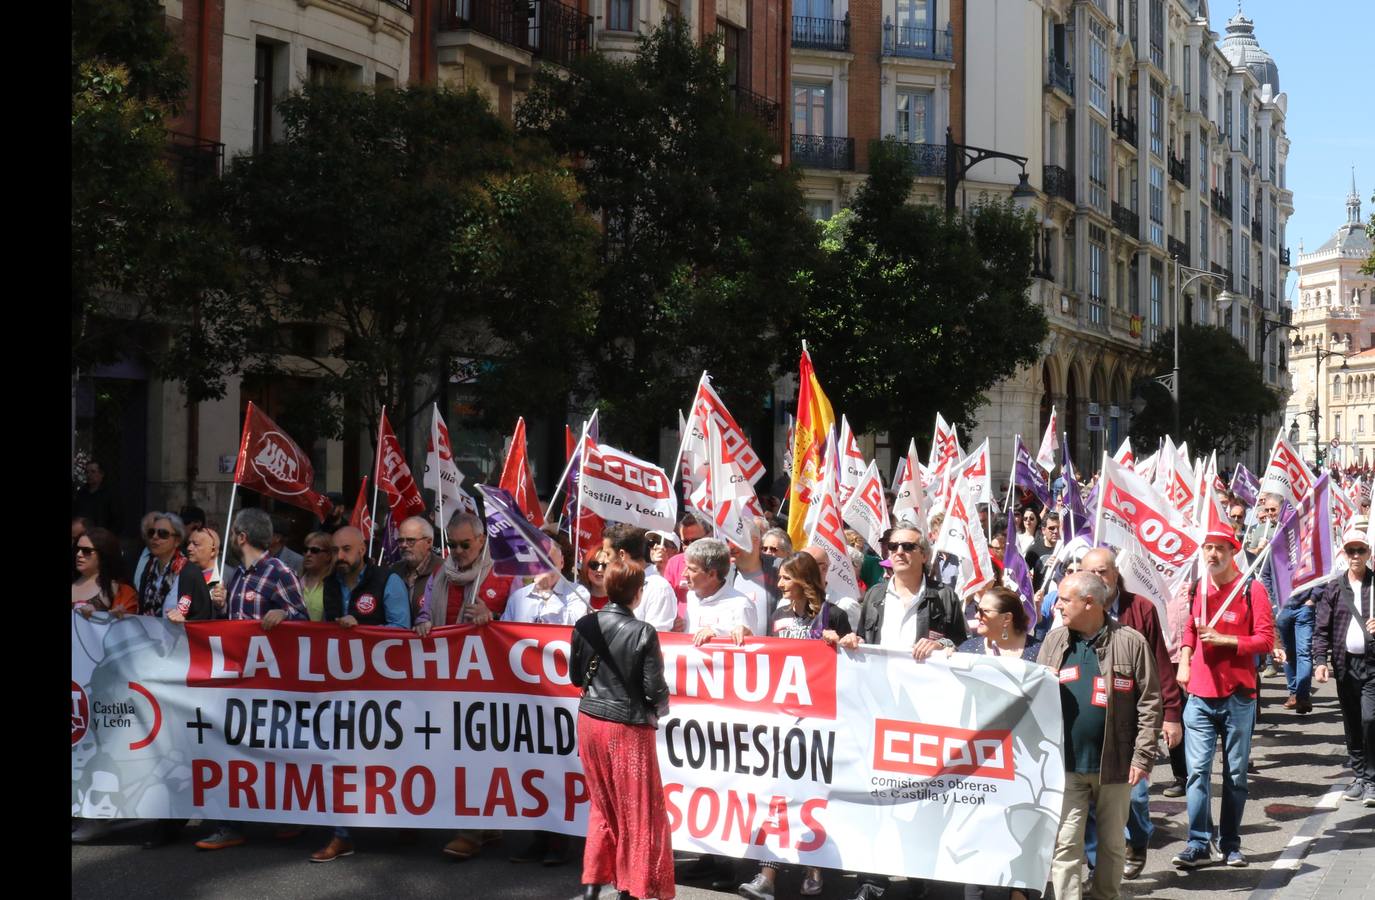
(170, 581)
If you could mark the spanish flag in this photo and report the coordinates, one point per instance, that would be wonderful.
(814, 420)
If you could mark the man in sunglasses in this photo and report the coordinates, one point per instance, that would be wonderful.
(1344, 647)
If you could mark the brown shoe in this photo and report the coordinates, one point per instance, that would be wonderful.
(1304, 707)
(461, 848)
(336, 848)
(1292, 702)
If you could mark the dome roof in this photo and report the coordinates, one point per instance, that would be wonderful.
(1242, 49)
(1350, 239)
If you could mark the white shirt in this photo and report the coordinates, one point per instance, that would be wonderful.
(1355, 630)
(721, 612)
(899, 629)
(563, 604)
(658, 604)
(1024, 542)
(759, 598)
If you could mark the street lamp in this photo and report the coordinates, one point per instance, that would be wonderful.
(1194, 275)
(1319, 354)
(960, 158)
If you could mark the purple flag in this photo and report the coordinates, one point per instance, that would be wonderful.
(390, 554)
(1080, 523)
(1016, 572)
(1027, 473)
(517, 547)
(1245, 485)
(1301, 552)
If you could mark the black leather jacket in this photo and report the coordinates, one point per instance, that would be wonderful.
(626, 683)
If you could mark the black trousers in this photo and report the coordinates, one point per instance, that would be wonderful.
(1356, 694)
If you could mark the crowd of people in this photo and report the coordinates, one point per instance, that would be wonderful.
(1132, 686)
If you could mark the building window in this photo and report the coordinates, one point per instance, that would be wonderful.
(324, 70)
(1245, 129)
(1098, 164)
(1157, 118)
(1157, 205)
(914, 117)
(1337, 426)
(732, 53)
(620, 15)
(263, 95)
(1336, 387)
(820, 210)
(1272, 158)
(1098, 66)
(914, 14)
(1227, 113)
(1098, 254)
(812, 109)
(1158, 33)
(1157, 300)
(1360, 424)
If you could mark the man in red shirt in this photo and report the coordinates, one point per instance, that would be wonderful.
(1229, 625)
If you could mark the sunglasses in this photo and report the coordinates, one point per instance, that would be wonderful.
(904, 546)
(310, 550)
(406, 542)
(985, 613)
(84, 551)
(460, 545)
(772, 549)
(1350, 551)
(596, 566)
(160, 533)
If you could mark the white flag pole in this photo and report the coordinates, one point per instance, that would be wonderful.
(1236, 589)
(228, 522)
(577, 514)
(376, 468)
(577, 454)
(439, 490)
(687, 428)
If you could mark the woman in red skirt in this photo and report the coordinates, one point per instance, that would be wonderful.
(618, 664)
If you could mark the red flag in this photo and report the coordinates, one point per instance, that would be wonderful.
(362, 518)
(516, 478)
(271, 463)
(570, 443)
(394, 476)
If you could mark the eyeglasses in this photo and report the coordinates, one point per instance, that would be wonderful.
(1237, 518)
(1350, 551)
(406, 542)
(903, 546)
(596, 566)
(985, 613)
(84, 551)
(461, 546)
(161, 533)
(772, 549)
(310, 550)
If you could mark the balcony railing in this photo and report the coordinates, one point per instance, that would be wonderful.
(194, 161)
(1226, 273)
(1222, 204)
(929, 159)
(1124, 126)
(1178, 249)
(1258, 295)
(1284, 256)
(1179, 170)
(1126, 220)
(917, 42)
(399, 4)
(821, 34)
(1058, 75)
(763, 110)
(560, 33)
(507, 21)
(1257, 230)
(815, 152)
(1056, 182)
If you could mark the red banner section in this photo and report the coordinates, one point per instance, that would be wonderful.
(797, 678)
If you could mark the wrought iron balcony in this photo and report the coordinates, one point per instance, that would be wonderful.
(1178, 249)
(917, 42)
(399, 4)
(763, 110)
(816, 152)
(1284, 256)
(929, 159)
(1056, 182)
(1257, 295)
(1179, 170)
(1126, 220)
(1058, 75)
(194, 161)
(1124, 126)
(1257, 229)
(507, 21)
(1222, 204)
(560, 33)
(821, 34)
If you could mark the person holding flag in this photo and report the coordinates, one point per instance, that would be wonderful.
(1230, 622)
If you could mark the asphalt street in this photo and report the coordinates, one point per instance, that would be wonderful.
(1300, 840)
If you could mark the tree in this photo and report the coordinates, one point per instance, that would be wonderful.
(143, 260)
(1368, 267)
(915, 311)
(419, 229)
(704, 235)
(1222, 393)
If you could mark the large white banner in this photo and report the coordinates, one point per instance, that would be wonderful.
(777, 750)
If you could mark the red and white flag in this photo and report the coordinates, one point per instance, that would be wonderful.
(271, 463)
(867, 510)
(442, 474)
(517, 479)
(911, 503)
(945, 446)
(719, 494)
(852, 463)
(623, 488)
(394, 476)
(962, 537)
(1124, 455)
(362, 516)
(707, 407)
(828, 533)
(1049, 452)
(975, 470)
(1287, 474)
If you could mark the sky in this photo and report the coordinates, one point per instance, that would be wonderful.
(1322, 49)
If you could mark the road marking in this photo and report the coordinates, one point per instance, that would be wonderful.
(1331, 799)
(1288, 862)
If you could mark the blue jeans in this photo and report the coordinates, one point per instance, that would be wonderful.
(1206, 720)
(1295, 625)
(1139, 827)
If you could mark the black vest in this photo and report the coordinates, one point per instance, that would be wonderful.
(366, 605)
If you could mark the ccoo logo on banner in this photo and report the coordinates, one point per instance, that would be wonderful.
(780, 750)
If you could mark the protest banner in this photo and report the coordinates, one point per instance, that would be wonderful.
(776, 750)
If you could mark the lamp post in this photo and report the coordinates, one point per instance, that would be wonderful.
(1267, 327)
(1319, 354)
(1194, 275)
(960, 158)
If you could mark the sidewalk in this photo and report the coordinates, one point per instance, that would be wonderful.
(1339, 863)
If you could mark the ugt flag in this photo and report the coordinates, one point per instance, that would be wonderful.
(1027, 473)
(394, 476)
(1302, 553)
(362, 516)
(517, 479)
(271, 463)
(518, 548)
(1245, 485)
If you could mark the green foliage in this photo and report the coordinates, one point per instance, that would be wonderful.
(1221, 392)
(915, 312)
(131, 34)
(1368, 267)
(704, 234)
(420, 229)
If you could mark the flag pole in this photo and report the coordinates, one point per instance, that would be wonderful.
(687, 429)
(228, 521)
(1236, 589)
(577, 514)
(563, 478)
(376, 468)
(382, 549)
(439, 491)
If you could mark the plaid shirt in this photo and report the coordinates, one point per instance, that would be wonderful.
(266, 585)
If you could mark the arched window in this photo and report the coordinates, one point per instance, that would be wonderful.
(1336, 387)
